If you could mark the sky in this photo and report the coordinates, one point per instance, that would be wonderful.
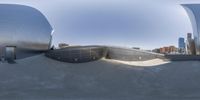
(146, 24)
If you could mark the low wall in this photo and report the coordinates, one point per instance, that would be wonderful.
(82, 54)
(183, 57)
(127, 54)
(77, 54)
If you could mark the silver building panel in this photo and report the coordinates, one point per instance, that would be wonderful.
(24, 27)
(193, 11)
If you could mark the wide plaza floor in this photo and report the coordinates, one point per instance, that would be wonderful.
(41, 78)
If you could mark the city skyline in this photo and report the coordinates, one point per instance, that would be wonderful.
(137, 23)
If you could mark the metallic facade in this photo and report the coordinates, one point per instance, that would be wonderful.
(193, 11)
(25, 28)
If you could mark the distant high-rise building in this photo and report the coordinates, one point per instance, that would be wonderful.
(190, 44)
(181, 43)
(189, 35)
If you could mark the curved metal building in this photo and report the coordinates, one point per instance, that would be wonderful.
(193, 11)
(23, 30)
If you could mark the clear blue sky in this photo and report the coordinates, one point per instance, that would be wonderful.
(131, 23)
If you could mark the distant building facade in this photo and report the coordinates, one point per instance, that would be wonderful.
(181, 45)
(190, 44)
(189, 35)
(166, 50)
